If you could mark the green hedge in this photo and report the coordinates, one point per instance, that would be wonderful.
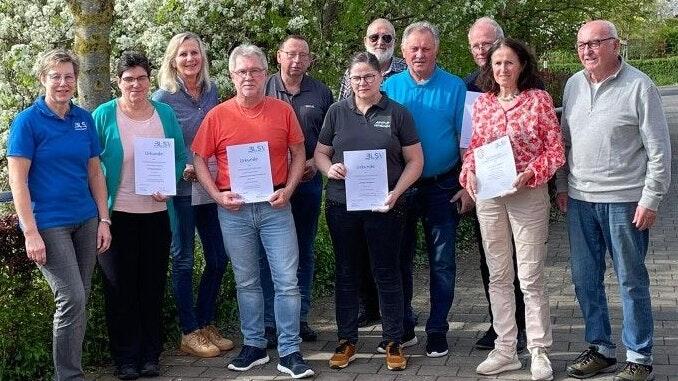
(663, 71)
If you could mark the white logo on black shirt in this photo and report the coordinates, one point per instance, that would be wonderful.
(80, 126)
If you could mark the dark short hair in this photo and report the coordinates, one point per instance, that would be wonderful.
(528, 78)
(366, 58)
(294, 37)
(131, 58)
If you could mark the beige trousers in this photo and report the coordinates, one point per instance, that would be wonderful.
(525, 214)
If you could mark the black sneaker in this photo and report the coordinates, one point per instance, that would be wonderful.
(271, 337)
(522, 341)
(150, 369)
(589, 363)
(409, 340)
(248, 357)
(635, 372)
(487, 341)
(127, 372)
(306, 333)
(436, 345)
(294, 365)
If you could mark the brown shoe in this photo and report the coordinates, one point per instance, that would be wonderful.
(395, 359)
(197, 345)
(343, 355)
(212, 334)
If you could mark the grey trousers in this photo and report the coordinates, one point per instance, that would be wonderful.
(71, 255)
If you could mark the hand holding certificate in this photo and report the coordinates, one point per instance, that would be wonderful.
(249, 168)
(154, 167)
(495, 169)
(366, 179)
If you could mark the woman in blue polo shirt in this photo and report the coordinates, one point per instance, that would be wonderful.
(59, 191)
(368, 120)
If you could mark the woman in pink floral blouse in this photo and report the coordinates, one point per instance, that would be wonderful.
(513, 106)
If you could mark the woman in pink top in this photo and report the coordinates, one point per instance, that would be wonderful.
(512, 106)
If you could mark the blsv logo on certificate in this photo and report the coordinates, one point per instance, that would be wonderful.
(366, 179)
(249, 168)
(154, 166)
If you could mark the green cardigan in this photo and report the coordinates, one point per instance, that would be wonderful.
(112, 155)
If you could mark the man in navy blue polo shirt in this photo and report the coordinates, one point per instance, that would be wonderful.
(310, 100)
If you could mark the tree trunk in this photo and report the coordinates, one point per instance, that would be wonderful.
(93, 20)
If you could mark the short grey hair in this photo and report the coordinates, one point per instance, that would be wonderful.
(247, 50)
(498, 31)
(382, 21)
(611, 28)
(421, 26)
(50, 59)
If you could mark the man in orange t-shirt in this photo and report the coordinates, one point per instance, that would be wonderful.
(251, 117)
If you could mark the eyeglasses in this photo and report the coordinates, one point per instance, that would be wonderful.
(369, 79)
(58, 78)
(299, 55)
(387, 38)
(254, 73)
(131, 80)
(481, 47)
(593, 44)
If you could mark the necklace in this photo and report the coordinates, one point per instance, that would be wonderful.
(244, 113)
(509, 97)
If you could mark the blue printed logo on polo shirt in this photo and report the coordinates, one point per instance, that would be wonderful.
(80, 126)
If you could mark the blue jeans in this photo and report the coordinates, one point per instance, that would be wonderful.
(71, 253)
(305, 209)
(429, 199)
(595, 228)
(273, 228)
(187, 218)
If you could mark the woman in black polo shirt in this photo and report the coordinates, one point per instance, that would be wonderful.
(368, 120)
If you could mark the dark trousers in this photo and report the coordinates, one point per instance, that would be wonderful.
(135, 274)
(485, 275)
(377, 236)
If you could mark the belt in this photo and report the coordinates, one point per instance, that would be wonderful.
(453, 172)
(275, 188)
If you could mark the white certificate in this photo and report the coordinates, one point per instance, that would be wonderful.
(467, 121)
(366, 179)
(495, 169)
(199, 195)
(249, 167)
(154, 166)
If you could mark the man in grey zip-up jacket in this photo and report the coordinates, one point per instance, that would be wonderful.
(618, 170)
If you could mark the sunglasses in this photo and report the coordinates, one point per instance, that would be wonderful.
(387, 38)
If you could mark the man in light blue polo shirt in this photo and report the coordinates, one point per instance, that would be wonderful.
(436, 100)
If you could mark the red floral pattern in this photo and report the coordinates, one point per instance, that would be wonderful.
(531, 125)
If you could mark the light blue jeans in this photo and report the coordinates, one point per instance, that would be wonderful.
(243, 231)
(597, 228)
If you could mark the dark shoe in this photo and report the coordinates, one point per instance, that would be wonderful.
(343, 355)
(395, 359)
(409, 340)
(294, 365)
(487, 341)
(635, 372)
(436, 345)
(522, 341)
(306, 333)
(366, 319)
(272, 337)
(127, 372)
(248, 357)
(589, 363)
(150, 369)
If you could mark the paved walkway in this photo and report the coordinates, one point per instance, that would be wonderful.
(469, 318)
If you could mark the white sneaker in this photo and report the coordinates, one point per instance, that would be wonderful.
(497, 362)
(541, 365)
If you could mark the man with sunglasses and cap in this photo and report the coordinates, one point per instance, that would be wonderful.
(379, 40)
(310, 100)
